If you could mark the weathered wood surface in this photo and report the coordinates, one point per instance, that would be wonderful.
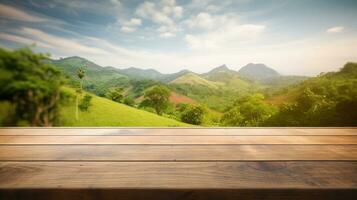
(178, 152)
(178, 163)
(181, 175)
(144, 139)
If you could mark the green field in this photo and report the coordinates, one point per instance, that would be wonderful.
(104, 112)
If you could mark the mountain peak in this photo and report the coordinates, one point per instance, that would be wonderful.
(258, 71)
(141, 73)
(220, 69)
(183, 71)
(223, 67)
(75, 62)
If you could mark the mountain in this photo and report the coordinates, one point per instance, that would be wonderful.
(170, 77)
(220, 73)
(219, 70)
(71, 64)
(194, 80)
(215, 88)
(258, 71)
(152, 74)
(97, 79)
(141, 73)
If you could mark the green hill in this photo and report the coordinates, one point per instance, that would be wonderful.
(104, 113)
(141, 73)
(194, 79)
(97, 80)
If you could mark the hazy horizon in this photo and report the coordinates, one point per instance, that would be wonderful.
(293, 37)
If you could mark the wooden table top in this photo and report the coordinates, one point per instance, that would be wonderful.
(269, 163)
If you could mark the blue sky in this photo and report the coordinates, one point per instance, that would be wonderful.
(302, 37)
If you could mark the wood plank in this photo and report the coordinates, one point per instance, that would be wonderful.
(182, 175)
(177, 152)
(6, 140)
(178, 131)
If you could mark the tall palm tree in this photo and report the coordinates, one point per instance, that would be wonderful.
(80, 74)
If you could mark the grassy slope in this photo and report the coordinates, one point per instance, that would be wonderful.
(108, 113)
(193, 79)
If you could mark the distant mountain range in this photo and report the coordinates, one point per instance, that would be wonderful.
(135, 81)
(255, 72)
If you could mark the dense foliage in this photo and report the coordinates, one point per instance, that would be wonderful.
(85, 103)
(157, 98)
(248, 111)
(115, 94)
(32, 87)
(193, 114)
(327, 100)
(129, 101)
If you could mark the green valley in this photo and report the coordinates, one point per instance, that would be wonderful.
(92, 95)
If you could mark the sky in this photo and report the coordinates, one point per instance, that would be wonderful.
(295, 37)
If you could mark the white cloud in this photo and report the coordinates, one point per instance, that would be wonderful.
(227, 37)
(146, 9)
(59, 42)
(127, 29)
(17, 14)
(167, 31)
(22, 40)
(151, 11)
(134, 22)
(131, 25)
(222, 31)
(202, 20)
(166, 35)
(177, 11)
(336, 29)
(170, 8)
(164, 13)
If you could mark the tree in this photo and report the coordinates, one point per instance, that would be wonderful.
(85, 103)
(157, 98)
(31, 85)
(233, 117)
(193, 115)
(80, 75)
(115, 94)
(248, 111)
(129, 101)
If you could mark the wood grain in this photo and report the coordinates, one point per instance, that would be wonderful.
(171, 163)
(177, 152)
(178, 140)
(181, 175)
